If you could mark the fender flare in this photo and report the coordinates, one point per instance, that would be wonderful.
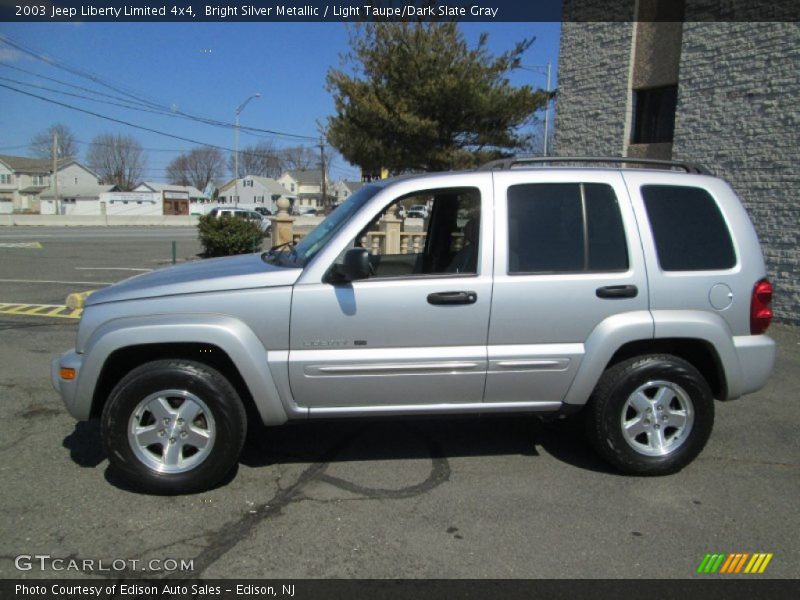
(230, 335)
(604, 341)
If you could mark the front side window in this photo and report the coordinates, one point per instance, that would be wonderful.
(688, 228)
(565, 228)
(442, 241)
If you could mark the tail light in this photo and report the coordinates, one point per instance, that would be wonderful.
(760, 307)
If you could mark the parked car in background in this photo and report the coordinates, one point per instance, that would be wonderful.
(241, 213)
(263, 211)
(417, 211)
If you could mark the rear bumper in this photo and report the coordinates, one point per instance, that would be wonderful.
(756, 354)
(68, 389)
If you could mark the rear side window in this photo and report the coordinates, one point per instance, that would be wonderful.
(689, 231)
(565, 228)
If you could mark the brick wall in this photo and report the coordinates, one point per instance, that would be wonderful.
(737, 114)
(593, 73)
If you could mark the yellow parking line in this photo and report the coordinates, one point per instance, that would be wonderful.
(40, 310)
(34, 245)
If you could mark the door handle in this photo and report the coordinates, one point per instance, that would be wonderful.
(617, 291)
(446, 298)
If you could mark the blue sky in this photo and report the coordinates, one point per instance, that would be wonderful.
(205, 69)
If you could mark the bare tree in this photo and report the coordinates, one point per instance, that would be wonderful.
(117, 159)
(262, 159)
(199, 167)
(42, 143)
(178, 170)
(299, 158)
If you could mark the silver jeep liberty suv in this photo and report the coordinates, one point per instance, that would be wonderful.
(635, 295)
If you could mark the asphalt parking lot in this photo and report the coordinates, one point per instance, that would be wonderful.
(446, 498)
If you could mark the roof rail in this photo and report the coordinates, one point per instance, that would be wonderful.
(508, 163)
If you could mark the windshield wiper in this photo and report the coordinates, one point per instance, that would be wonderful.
(280, 248)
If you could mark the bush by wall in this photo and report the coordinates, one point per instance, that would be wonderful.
(225, 236)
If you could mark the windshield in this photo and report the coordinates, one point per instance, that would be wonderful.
(307, 248)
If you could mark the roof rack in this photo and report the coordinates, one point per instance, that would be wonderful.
(508, 163)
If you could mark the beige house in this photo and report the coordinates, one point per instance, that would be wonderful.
(254, 191)
(23, 180)
(307, 186)
(343, 189)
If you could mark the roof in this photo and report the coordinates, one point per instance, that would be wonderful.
(305, 176)
(80, 191)
(268, 183)
(160, 187)
(25, 164)
(353, 186)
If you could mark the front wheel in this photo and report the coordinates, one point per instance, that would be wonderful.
(173, 427)
(650, 415)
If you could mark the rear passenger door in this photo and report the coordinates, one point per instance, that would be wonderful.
(567, 257)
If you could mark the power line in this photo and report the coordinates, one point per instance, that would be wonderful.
(120, 121)
(152, 106)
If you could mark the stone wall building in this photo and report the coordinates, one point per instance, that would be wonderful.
(721, 94)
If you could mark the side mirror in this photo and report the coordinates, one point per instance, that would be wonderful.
(355, 265)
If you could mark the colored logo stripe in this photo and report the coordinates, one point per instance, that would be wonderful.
(735, 563)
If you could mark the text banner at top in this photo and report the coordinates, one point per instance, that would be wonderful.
(344, 11)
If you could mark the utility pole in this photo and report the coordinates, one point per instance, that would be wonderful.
(322, 170)
(55, 173)
(239, 109)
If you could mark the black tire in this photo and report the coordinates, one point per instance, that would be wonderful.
(625, 387)
(225, 426)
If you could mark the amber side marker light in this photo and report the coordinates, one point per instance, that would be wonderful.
(67, 374)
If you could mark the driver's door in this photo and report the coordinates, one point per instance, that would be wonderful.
(397, 340)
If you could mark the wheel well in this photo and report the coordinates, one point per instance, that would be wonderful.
(122, 361)
(699, 353)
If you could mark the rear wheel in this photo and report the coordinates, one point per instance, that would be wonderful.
(173, 427)
(650, 415)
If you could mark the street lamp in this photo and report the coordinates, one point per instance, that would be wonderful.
(239, 109)
(543, 69)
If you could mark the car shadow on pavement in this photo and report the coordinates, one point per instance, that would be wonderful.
(380, 440)
(85, 444)
(412, 438)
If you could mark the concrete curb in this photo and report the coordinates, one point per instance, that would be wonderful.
(77, 300)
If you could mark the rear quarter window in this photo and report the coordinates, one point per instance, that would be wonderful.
(689, 230)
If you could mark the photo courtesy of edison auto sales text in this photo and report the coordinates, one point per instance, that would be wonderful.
(167, 589)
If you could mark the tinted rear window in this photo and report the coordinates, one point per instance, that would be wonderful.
(548, 233)
(689, 231)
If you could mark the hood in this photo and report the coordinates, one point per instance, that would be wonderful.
(213, 275)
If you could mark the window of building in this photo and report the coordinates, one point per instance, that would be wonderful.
(5, 179)
(565, 228)
(248, 183)
(654, 115)
(41, 180)
(689, 230)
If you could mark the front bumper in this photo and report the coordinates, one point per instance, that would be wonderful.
(68, 389)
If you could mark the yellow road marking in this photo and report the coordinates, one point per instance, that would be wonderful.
(40, 310)
(34, 245)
